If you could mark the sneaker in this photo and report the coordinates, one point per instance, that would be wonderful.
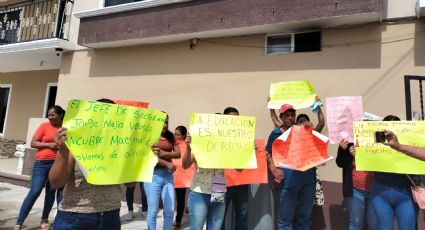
(130, 216)
(176, 225)
(144, 214)
(17, 227)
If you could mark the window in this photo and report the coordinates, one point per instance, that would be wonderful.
(118, 2)
(5, 91)
(50, 100)
(294, 43)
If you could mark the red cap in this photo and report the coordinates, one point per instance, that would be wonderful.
(286, 107)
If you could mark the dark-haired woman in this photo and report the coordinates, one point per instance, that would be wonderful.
(44, 141)
(180, 135)
(162, 185)
(392, 197)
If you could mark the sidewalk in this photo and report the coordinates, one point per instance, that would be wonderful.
(12, 196)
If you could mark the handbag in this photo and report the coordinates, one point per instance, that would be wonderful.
(418, 193)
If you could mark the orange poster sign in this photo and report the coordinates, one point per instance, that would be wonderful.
(300, 149)
(250, 176)
(182, 177)
(138, 104)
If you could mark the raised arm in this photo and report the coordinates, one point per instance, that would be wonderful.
(274, 117)
(415, 152)
(63, 167)
(188, 158)
(320, 118)
(344, 157)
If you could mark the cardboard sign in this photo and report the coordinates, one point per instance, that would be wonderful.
(341, 112)
(138, 104)
(300, 149)
(223, 141)
(182, 177)
(250, 176)
(111, 142)
(299, 94)
(371, 156)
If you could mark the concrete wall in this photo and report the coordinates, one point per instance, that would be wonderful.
(26, 100)
(394, 9)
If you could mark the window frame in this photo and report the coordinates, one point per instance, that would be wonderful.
(266, 44)
(292, 42)
(2, 134)
(46, 100)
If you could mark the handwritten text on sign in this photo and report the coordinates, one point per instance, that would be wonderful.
(113, 142)
(300, 149)
(299, 94)
(341, 112)
(223, 141)
(371, 156)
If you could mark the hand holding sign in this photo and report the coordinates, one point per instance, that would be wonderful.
(371, 156)
(112, 143)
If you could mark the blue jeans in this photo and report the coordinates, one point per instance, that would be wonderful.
(295, 207)
(162, 186)
(239, 196)
(129, 198)
(83, 221)
(201, 209)
(390, 201)
(39, 180)
(360, 208)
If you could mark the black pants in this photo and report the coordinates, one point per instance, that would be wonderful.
(181, 203)
(129, 196)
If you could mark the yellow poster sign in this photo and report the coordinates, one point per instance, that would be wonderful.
(112, 143)
(371, 156)
(299, 94)
(223, 141)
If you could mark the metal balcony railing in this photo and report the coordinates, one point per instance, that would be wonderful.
(34, 20)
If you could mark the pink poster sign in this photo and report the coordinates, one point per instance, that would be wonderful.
(341, 112)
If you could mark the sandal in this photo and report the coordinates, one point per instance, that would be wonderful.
(45, 226)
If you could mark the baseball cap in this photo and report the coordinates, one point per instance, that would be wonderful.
(286, 107)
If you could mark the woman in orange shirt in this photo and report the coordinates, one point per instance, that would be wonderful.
(44, 141)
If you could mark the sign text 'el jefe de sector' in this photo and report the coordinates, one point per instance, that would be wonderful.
(112, 143)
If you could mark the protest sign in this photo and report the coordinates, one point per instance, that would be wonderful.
(139, 104)
(299, 94)
(112, 143)
(250, 176)
(223, 141)
(371, 156)
(182, 177)
(300, 148)
(341, 112)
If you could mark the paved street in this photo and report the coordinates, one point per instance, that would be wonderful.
(12, 196)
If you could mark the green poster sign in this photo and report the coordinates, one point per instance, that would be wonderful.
(371, 156)
(112, 143)
(299, 94)
(223, 141)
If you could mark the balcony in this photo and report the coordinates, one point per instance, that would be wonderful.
(32, 30)
(146, 22)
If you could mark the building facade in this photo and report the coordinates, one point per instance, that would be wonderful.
(186, 56)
